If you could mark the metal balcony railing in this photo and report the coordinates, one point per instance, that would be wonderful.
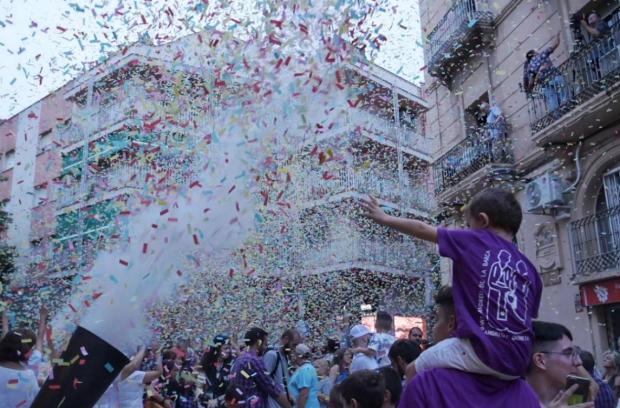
(118, 178)
(587, 72)
(463, 16)
(596, 242)
(313, 186)
(357, 251)
(388, 130)
(486, 145)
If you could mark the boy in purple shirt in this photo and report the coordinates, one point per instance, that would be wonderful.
(496, 289)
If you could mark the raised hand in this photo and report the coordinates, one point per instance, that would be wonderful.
(373, 210)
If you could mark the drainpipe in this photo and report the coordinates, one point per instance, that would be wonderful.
(578, 169)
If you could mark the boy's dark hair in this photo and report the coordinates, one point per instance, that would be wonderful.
(335, 400)
(366, 387)
(587, 360)
(501, 206)
(384, 320)
(14, 346)
(253, 335)
(405, 349)
(444, 298)
(393, 383)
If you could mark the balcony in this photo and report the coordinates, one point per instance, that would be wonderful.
(384, 130)
(484, 153)
(576, 101)
(348, 182)
(463, 30)
(116, 180)
(358, 252)
(596, 245)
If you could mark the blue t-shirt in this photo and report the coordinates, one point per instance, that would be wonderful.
(305, 377)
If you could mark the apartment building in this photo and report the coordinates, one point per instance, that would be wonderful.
(556, 142)
(75, 161)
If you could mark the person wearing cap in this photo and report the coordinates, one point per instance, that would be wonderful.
(304, 383)
(250, 377)
(360, 335)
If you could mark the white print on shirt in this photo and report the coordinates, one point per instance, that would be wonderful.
(506, 297)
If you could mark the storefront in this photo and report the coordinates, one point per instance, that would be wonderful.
(604, 296)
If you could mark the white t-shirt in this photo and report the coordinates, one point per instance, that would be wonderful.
(124, 394)
(362, 362)
(381, 343)
(17, 386)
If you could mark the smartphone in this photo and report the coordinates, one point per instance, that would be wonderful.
(581, 394)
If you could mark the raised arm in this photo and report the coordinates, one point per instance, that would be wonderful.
(556, 42)
(43, 313)
(5, 321)
(134, 364)
(151, 376)
(407, 226)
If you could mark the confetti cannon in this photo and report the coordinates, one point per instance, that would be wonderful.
(85, 370)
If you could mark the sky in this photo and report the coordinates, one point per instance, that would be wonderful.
(46, 43)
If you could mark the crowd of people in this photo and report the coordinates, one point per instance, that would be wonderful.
(487, 348)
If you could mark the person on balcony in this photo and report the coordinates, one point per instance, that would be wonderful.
(540, 71)
(596, 27)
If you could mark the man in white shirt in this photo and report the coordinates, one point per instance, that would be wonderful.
(360, 335)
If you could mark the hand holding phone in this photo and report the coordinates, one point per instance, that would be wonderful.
(562, 399)
(580, 395)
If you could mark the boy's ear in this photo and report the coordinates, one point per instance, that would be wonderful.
(484, 219)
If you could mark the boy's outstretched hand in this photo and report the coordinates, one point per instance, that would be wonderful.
(373, 210)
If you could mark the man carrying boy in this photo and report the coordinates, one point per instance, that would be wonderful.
(496, 289)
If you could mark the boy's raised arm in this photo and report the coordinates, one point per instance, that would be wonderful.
(407, 226)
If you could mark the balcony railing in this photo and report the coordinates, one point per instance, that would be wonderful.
(359, 252)
(488, 145)
(452, 34)
(118, 178)
(596, 242)
(388, 130)
(314, 186)
(583, 75)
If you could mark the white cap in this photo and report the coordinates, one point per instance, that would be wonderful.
(302, 350)
(359, 330)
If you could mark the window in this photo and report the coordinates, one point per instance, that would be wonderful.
(9, 159)
(40, 195)
(45, 139)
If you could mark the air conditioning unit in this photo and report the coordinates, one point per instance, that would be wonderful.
(545, 191)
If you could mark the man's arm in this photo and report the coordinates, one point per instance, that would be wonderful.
(134, 364)
(303, 398)
(5, 322)
(556, 42)
(283, 400)
(151, 376)
(41, 329)
(407, 226)
(591, 30)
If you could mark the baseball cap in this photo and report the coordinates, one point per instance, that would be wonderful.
(359, 330)
(220, 340)
(302, 350)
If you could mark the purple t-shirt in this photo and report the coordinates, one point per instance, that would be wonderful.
(448, 388)
(496, 292)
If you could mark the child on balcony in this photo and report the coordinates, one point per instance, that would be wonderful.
(496, 289)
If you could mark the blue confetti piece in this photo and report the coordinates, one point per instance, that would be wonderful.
(472, 23)
(109, 367)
